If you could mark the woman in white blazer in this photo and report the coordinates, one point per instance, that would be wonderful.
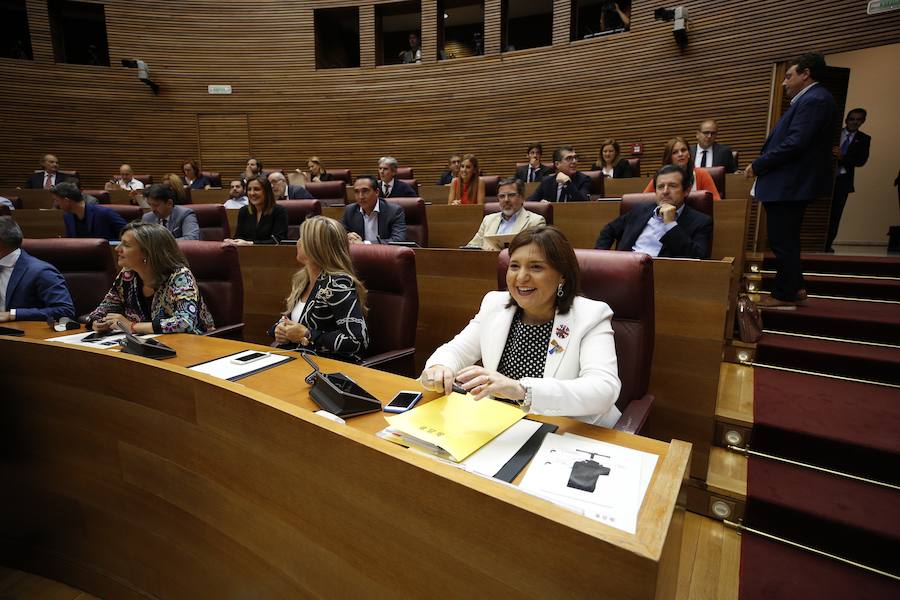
(542, 346)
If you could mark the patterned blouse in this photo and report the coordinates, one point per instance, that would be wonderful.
(176, 307)
(334, 317)
(525, 352)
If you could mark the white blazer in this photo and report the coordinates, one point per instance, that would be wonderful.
(581, 380)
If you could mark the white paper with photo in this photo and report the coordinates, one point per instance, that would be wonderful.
(648, 463)
(615, 497)
(104, 343)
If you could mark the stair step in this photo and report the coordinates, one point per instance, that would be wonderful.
(852, 320)
(735, 400)
(726, 474)
(884, 266)
(872, 363)
(845, 287)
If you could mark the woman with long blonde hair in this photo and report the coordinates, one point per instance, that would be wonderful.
(326, 308)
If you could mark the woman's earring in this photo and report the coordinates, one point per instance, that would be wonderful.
(559, 290)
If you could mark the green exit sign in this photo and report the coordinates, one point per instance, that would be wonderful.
(879, 6)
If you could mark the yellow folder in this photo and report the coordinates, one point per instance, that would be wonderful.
(457, 424)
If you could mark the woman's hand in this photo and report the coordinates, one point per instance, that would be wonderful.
(288, 331)
(235, 242)
(111, 321)
(456, 202)
(437, 378)
(480, 382)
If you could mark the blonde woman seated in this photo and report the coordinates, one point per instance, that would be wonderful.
(155, 292)
(316, 170)
(543, 346)
(467, 187)
(327, 305)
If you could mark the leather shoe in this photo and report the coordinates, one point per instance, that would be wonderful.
(773, 303)
(801, 296)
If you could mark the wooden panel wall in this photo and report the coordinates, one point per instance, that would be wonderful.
(632, 86)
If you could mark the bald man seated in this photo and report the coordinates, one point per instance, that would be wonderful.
(48, 176)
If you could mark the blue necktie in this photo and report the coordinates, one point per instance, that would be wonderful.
(845, 145)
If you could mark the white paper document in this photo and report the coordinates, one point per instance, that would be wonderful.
(599, 480)
(104, 343)
(224, 368)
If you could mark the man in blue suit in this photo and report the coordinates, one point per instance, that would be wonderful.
(793, 169)
(372, 220)
(30, 289)
(86, 220)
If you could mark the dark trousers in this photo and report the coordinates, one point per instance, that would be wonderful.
(783, 221)
(842, 185)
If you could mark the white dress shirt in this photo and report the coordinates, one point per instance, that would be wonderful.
(132, 185)
(7, 263)
(370, 224)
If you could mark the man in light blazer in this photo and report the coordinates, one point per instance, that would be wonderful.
(793, 169)
(30, 289)
(707, 152)
(372, 220)
(180, 220)
(669, 228)
(512, 217)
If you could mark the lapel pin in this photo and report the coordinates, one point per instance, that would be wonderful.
(554, 347)
(562, 331)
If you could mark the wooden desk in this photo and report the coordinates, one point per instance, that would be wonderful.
(737, 186)
(31, 198)
(616, 188)
(40, 223)
(147, 479)
(436, 194)
(210, 196)
(692, 308)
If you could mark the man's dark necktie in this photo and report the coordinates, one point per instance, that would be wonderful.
(703, 159)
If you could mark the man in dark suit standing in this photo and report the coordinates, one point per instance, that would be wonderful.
(568, 184)
(372, 220)
(388, 185)
(30, 289)
(49, 177)
(709, 153)
(668, 228)
(86, 220)
(852, 152)
(793, 169)
(534, 170)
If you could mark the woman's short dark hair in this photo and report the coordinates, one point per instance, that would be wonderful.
(269, 204)
(559, 254)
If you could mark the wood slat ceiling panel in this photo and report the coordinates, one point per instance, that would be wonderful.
(633, 86)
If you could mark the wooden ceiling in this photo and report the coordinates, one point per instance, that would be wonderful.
(632, 86)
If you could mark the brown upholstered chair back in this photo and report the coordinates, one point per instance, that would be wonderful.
(86, 263)
(635, 164)
(102, 196)
(341, 175)
(215, 180)
(126, 211)
(545, 209)
(491, 184)
(298, 211)
(416, 219)
(328, 190)
(698, 200)
(389, 274)
(213, 222)
(624, 280)
(404, 173)
(217, 270)
(596, 181)
(718, 176)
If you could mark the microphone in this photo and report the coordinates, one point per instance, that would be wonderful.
(275, 239)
